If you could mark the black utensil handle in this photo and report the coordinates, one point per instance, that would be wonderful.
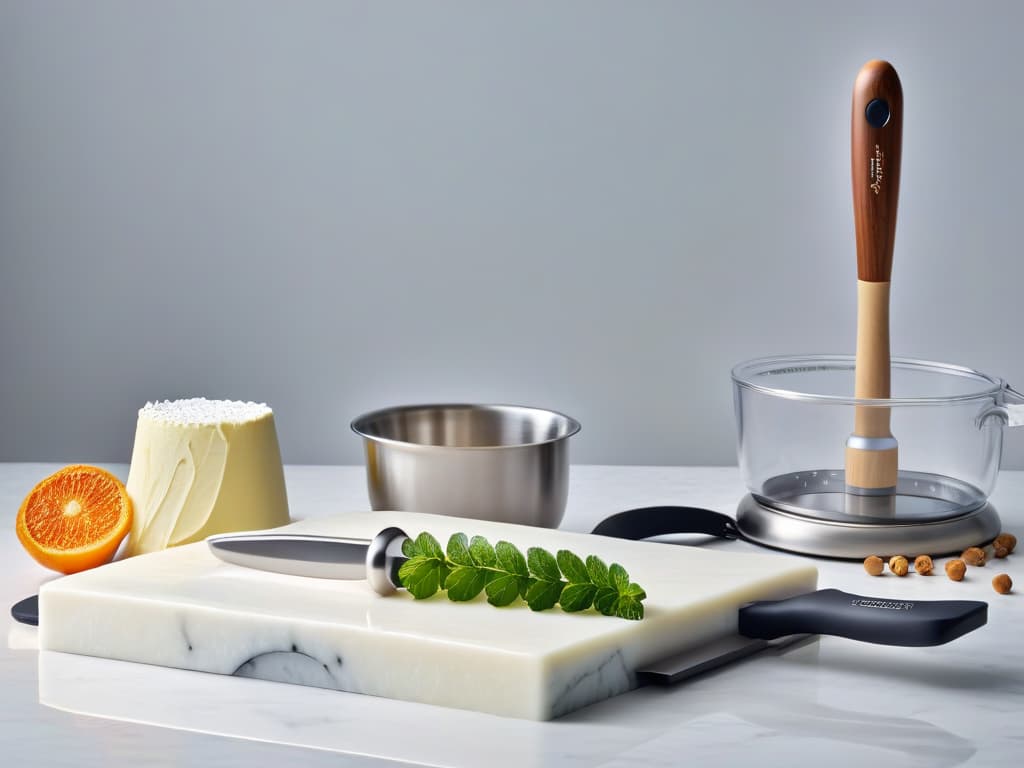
(27, 611)
(645, 522)
(870, 619)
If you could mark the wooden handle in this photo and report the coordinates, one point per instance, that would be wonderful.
(873, 372)
(877, 135)
(877, 138)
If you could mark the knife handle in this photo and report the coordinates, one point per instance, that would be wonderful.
(870, 619)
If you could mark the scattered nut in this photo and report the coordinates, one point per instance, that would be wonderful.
(1005, 540)
(874, 565)
(999, 552)
(898, 564)
(1002, 583)
(923, 565)
(974, 556)
(956, 569)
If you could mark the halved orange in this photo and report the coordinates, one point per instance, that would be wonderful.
(75, 518)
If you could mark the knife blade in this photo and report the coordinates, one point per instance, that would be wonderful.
(710, 656)
(323, 557)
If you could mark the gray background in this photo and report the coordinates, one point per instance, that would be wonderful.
(598, 207)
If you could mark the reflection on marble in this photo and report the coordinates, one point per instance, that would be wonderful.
(21, 637)
(776, 700)
(325, 720)
(789, 736)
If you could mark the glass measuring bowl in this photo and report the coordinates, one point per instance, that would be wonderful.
(795, 413)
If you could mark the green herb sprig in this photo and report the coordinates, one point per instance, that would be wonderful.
(471, 566)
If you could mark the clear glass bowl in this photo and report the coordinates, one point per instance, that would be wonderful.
(794, 415)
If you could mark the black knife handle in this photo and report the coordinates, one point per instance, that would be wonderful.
(870, 619)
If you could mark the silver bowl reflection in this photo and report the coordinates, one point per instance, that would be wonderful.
(506, 463)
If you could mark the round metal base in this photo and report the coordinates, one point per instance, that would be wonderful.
(793, 532)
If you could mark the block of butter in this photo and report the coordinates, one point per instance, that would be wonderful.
(201, 467)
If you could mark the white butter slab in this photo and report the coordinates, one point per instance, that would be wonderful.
(184, 608)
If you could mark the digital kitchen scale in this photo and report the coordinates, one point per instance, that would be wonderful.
(811, 513)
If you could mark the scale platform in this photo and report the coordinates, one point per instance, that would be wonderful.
(811, 513)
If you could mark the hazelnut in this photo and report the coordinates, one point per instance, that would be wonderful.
(956, 569)
(1002, 583)
(923, 565)
(874, 565)
(1005, 540)
(974, 556)
(898, 564)
(999, 552)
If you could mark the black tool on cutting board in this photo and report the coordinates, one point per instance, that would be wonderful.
(760, 625)
(776, 624)
(27, 611)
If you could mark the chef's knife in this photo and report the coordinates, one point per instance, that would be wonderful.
(761, 625)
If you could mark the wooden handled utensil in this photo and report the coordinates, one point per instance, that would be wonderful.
(877, 130)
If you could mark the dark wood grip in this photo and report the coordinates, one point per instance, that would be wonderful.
(877, 138)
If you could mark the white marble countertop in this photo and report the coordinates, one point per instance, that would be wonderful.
(832, 702)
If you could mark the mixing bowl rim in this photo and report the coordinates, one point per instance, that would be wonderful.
(360, 423)
(741, 378)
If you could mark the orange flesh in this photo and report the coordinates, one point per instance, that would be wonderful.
(75, 519)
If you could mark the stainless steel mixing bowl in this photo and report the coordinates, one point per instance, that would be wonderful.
(493, 462)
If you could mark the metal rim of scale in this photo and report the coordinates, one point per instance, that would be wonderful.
(786, 530)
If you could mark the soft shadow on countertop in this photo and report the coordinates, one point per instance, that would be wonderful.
(778, 698)
(782, 698)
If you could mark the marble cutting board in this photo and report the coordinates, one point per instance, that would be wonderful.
(184, 608)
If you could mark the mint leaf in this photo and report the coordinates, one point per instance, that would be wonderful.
(598, 571)
(577, 597)
(458, 550)
(543, 564)
(629, 608)
(467, 567)
(634, 591)
(619, 577)
(465, 583)
(510, 559)
(542, 595)
(572, 567)
(429, 546)
(422, 576)
(482, 552)
(502, 589)
(606, 600)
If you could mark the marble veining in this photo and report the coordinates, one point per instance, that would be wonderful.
(609, 677)
(289, 667)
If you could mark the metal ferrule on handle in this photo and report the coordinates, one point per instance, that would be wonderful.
(383, 559)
